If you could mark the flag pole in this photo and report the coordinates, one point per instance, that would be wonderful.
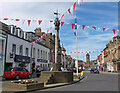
(76, 50)
(76, 54)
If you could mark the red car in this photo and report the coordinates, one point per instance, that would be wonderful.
(16, 72)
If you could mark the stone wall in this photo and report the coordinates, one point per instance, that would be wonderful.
(60, 76)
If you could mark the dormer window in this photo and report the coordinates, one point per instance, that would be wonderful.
(13, 30)
(26, 36)
(20, 33)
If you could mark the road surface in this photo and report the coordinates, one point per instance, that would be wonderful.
(92, 82)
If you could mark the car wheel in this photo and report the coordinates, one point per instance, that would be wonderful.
(29, 76)
(17, 77)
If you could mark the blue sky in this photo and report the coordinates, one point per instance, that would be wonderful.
(99, 14)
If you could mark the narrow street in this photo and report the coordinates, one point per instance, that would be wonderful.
(92, 82)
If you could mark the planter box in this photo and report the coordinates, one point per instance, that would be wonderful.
(33, 86)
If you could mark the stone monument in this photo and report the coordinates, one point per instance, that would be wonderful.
(56, 75)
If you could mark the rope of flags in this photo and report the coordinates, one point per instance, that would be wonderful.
(73, 25)
(105, 51)
(94, 27)
(83, 56)
(84, 52)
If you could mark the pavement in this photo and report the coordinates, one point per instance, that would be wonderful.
(45, 86)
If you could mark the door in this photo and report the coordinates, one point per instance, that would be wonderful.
(25, 73)
(19, 71)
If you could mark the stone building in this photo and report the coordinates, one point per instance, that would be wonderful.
(49, 40)
(99, 62)
(87, 60)
(94, 64)
(110, 57)
(112, 54)
(63, 57)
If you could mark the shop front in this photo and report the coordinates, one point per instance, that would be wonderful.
(22, 61)
(110, 66)
(42, 62)
(105, 67)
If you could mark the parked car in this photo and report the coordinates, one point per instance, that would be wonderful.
(16, 72)
(69, 69)
(91, 70)
(79, 70)
(46, 69)
(94, 70)
(62, 69)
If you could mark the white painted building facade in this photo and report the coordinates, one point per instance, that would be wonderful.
(40, 55)
(21, 53)
(18, 52)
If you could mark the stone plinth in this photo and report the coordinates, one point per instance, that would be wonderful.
(76, 77)
(27, 87)
(60, 76)
(56, 67)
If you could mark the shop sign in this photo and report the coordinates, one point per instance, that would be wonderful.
(42, 60)
(19, 58)
(33, 59)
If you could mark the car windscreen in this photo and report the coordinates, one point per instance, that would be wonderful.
(9, 69)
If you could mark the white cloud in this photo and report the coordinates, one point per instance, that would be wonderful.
(34, 11)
